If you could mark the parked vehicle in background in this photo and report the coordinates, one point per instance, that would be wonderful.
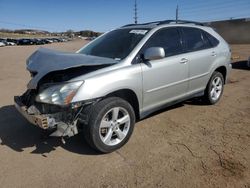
(25, 42)
(31, 41)
(64, 40)
(2, 44)
(4, 41)
(55, 39)
(123, 76)
(60, 40)
(7, 43)
(248, 62)
(11, 42)
(39, 41)
(49, 41)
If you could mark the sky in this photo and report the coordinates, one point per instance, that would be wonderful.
(104, 15)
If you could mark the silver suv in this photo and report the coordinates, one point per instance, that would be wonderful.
(121, 77)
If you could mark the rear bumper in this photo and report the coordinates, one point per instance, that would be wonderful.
(40, 120)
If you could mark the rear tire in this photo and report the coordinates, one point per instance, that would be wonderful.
(110, 125)
(214, 89)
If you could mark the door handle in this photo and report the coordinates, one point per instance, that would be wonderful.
(214, 54)
(183, 60)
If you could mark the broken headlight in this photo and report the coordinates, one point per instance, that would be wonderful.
(59, 94)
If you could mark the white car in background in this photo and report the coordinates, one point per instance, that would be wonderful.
(11, 43)
(2, 44)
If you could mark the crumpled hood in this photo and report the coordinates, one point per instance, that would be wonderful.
(44, 61)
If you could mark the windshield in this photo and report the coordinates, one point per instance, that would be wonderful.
(116, 44)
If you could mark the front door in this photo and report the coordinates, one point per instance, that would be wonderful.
(164, 80)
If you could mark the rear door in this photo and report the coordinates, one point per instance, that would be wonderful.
(166, 79)
(200, 55)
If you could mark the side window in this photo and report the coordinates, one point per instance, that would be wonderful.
(213, 41)
(167, 38)
(194, 39)
(206, 42)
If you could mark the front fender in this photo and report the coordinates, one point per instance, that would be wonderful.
(101, 85)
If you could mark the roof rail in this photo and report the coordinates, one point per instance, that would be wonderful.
(142, 24)
(166, 22)
(181, 22)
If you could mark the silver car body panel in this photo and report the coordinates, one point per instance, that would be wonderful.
(160, 86)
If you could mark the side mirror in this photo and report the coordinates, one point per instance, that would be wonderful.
(154, 53)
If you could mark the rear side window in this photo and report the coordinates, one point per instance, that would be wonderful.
(213, 41)
(195, 40)
(167, 38)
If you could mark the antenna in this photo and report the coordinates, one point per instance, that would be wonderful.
(177, 14)
(135, 9)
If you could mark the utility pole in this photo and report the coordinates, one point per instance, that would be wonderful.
(177, 14)
(135, 9)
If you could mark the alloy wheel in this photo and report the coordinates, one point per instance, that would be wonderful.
(216, 88)
(114, 126)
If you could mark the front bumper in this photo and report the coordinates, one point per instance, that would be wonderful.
(41, 120)
(65, 120)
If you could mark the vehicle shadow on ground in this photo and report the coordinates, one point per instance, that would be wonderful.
(240, 65)
(195, 102)
(18, 134)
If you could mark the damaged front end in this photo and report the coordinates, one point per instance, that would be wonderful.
(65, 120)
(48, 103)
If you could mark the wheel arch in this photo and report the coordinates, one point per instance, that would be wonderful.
(129, 96)
(223, 71)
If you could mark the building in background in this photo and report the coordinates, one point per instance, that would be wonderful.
(234, 31)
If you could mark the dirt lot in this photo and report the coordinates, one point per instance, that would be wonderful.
(188, 145)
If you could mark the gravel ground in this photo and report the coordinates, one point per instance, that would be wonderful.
(188, 145)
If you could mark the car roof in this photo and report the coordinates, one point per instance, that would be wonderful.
(151, 25)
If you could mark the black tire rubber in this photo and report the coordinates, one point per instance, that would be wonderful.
(207, 98)
(91, 130)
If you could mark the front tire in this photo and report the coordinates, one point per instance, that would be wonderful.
(214, 88)
(111, 124)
